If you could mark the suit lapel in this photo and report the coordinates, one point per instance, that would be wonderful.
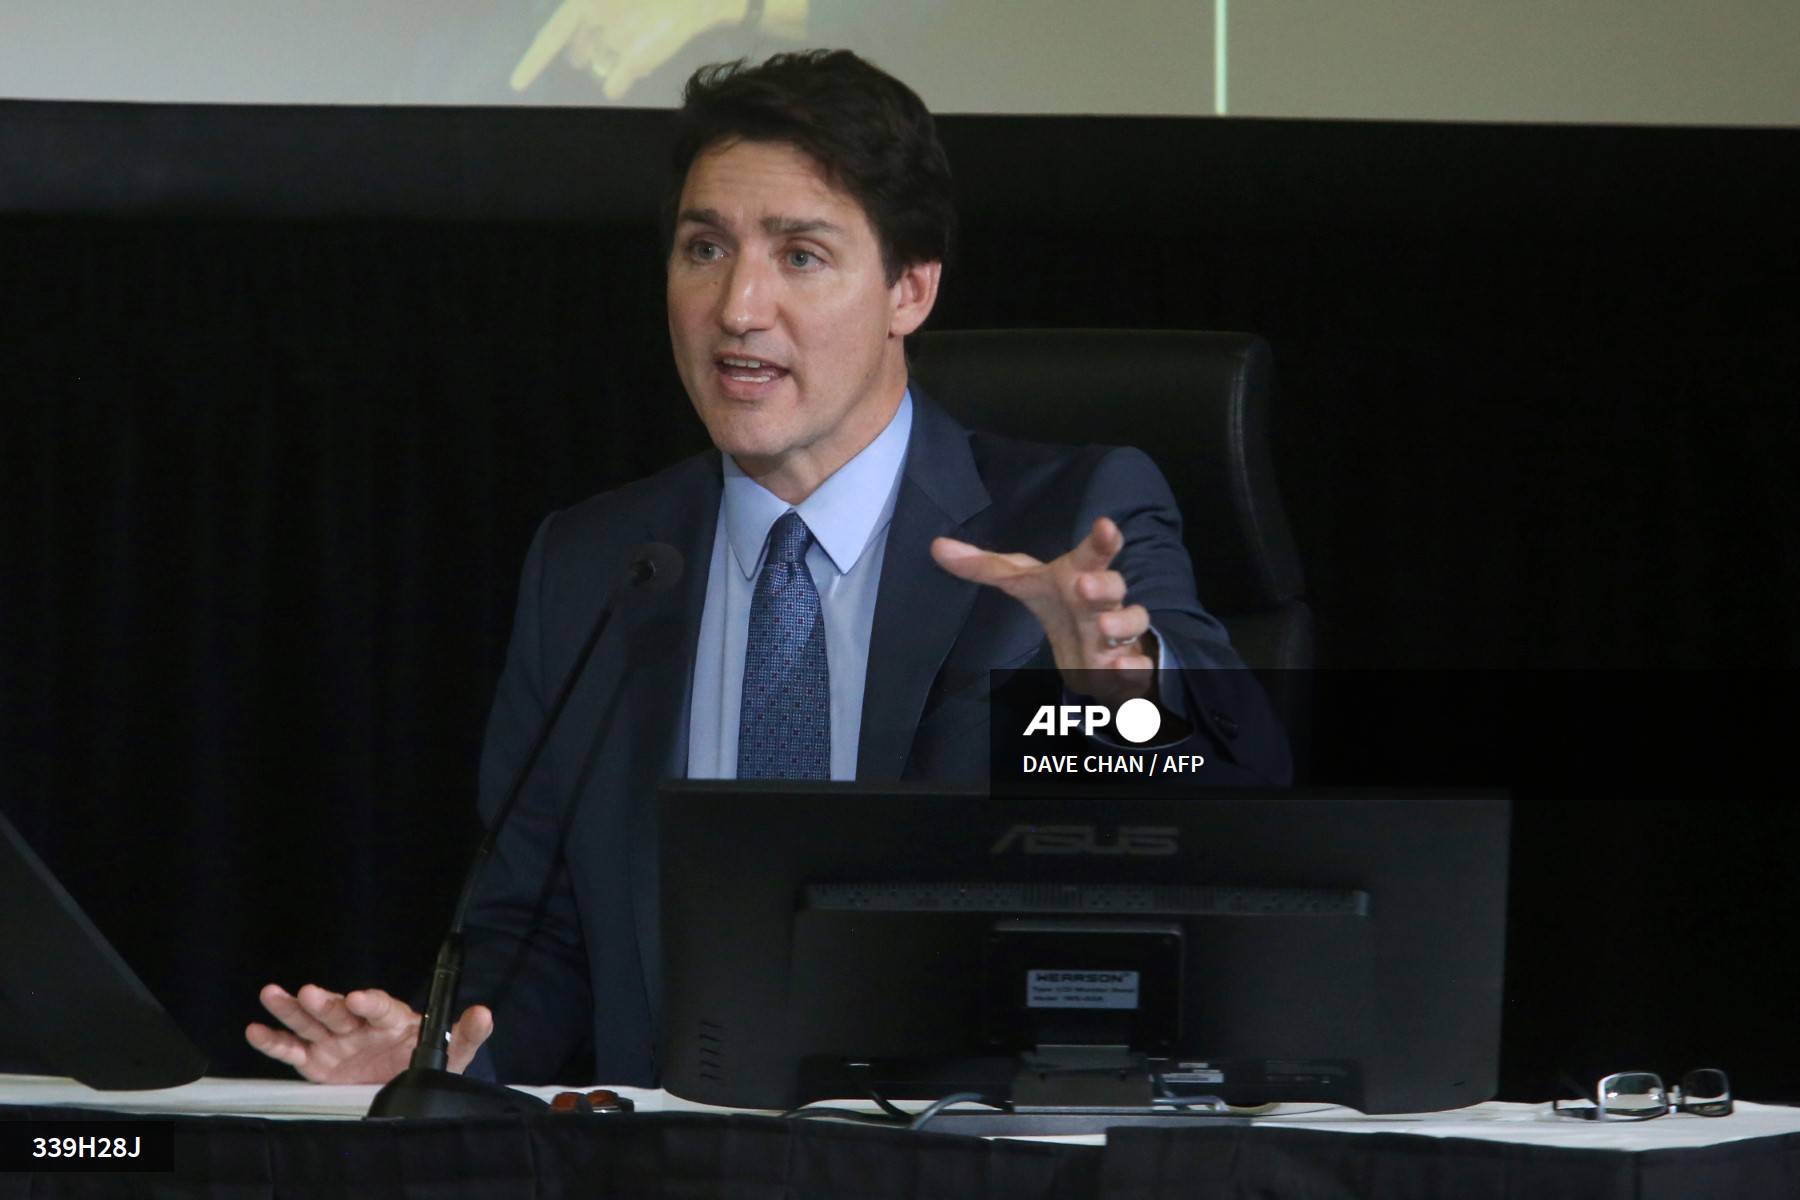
(657, 635)
(653, 744)
(919, 608)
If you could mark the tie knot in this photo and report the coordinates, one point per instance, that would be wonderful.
(789, 539)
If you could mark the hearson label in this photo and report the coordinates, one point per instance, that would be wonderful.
(1081, 989)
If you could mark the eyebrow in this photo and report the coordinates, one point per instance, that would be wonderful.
(770, 225)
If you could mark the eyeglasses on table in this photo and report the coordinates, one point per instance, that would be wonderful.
(1641, 1096)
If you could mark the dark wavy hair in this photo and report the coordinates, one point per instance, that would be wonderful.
(869, 133)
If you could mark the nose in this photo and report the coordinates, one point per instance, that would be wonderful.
(748, 301)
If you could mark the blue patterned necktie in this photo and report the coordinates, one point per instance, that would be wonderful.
(784, 724)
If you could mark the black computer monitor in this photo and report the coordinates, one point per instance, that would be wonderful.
(1102, 951)
(69, 1005)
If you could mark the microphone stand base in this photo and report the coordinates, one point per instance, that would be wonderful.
(424, 1092)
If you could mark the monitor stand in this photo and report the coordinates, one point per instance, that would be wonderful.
(1061, 1089)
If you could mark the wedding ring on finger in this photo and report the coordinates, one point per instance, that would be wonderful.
(1113, 643)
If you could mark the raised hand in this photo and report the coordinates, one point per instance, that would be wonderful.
(366, 1036)
(1103, 647)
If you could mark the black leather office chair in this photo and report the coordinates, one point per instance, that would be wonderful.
(1198, 404)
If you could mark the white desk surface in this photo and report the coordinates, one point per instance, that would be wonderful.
(1525, 1124)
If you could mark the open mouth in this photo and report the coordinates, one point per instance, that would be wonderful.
(752, 372)
(747, 379)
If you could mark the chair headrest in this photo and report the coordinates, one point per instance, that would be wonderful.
(1197, 403)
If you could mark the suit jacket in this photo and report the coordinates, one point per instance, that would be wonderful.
(563, 930)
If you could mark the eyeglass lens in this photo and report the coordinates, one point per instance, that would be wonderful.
(1633, 1094)
(1704, 1092)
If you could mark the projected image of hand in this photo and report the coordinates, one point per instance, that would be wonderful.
(619, 42)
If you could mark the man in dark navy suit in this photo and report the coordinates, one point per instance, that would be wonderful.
(838, 617)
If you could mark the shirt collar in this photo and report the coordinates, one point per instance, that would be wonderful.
(843, 512)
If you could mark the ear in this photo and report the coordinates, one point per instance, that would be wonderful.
(912, 296)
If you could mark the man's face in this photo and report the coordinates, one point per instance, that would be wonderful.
(787, 334)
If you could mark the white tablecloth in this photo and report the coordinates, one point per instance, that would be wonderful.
(1527, 1124)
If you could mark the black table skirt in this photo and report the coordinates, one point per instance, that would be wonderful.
(1306, 1164)
(680, 1156)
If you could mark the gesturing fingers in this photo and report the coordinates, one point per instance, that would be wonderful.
(1102, 647)
(1029, 579)
(363, 1037)
(1100, 591)
(471, 1029)
(1095, 551)
(1120, 629)
(327, 1008)
(379, 1009)
(1078, 599)
(1012, 573)
(277, 1044)
(287, 1009)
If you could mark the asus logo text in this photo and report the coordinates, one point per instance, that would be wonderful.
(1146, 841)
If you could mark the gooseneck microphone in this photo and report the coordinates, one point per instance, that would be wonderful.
(427, 1088)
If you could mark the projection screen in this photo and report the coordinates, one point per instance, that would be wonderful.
(1634, 61)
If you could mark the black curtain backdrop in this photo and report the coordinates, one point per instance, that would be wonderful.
(286, 390)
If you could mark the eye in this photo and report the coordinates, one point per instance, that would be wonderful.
(802, 260)
(702, 250)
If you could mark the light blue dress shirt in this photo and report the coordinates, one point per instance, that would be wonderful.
(849, 515)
